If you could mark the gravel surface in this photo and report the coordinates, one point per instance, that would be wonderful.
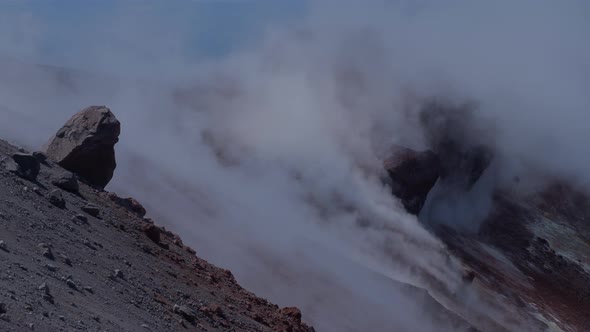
(76, 258)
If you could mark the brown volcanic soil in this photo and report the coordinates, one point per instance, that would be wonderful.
(106, 274)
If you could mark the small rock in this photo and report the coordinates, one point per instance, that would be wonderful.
(190, 250)
(44, 288)
(66, 181)
(119, 274)
(88, 289)
(51, 267)
(129, 203)
(152, 232)
(3, 246)
(80, 218)
(91, 210)
(46, 251)
(56, 198)
(62, 318)
(71, 284)
(213, 310)
(184, 311)
(89, 245)
(48, 254)
(31, 326)
(292, 312)
(5, 317)
(40, 156)
(47, 296)
(3, 309)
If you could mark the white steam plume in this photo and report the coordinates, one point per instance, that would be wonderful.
(266, 161)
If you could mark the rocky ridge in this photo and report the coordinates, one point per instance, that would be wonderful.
(75, 257)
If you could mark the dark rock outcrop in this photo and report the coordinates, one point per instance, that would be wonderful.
(412, 175)
(461, 141)
(85, 145)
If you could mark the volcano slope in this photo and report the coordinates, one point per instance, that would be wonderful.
(532, 249)
(87, 260)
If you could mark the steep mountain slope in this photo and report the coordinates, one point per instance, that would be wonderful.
(532, 247)
(536, 251)
(90, 262)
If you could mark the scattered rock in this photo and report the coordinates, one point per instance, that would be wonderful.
(119, 274)
(129, 203)
(23, 165)
(67, 261)
(43, 287)
(185, 312)
(66, 181)
(46, 251)
(51, 267)
(91, 210)
(5, 317)
(71, 284)
(10, 165)
(213, 310)
(56, 198)
(46, 293)
(152, 232)
(40, 156)
(80, 218)
(85, 145)
(178, 241)
(292, 312)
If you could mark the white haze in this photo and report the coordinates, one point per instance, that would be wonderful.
(266, 161)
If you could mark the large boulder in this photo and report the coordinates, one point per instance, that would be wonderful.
(85, 145)
(412, 174)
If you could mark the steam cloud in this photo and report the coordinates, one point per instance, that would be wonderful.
(267, 160)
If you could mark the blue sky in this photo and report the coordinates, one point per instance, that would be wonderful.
(208, 27)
